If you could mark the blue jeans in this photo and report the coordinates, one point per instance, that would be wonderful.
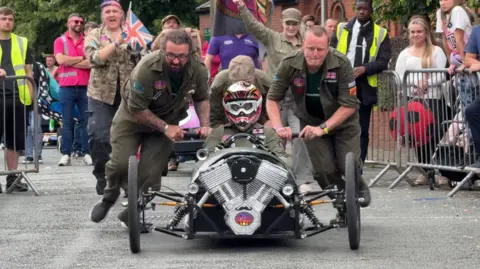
(77, 145)
(29, 142)
(69, 98)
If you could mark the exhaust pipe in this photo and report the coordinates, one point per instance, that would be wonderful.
(202, 154)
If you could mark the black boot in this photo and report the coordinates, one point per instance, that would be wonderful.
(364, 192)
(101, 184)
(20, 187)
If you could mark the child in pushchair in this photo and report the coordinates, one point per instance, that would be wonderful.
(455, 149)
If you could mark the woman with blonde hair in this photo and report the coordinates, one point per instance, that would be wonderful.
(426, 87)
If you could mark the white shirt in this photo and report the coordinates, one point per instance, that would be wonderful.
(353, 44)
(458, 20)
(406, 61)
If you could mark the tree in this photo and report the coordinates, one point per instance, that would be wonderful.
(402, 10)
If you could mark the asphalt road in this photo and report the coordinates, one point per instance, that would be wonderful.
(403, 228)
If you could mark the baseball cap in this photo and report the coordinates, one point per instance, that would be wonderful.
(291, 14)
(168, 17)
(241, 68)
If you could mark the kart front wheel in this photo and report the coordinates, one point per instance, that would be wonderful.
(133, 217)
(351, 199)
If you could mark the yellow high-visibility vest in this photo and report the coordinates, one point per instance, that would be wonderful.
(379, 35)
(19, 56)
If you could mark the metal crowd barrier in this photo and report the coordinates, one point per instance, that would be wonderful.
(14, 113)
(383, 149)
(435, 135)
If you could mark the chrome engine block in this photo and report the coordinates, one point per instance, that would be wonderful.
(244, 203)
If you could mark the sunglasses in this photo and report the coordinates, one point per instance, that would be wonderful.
(78, 22)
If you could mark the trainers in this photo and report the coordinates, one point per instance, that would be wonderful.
(87, 159)
(64, 161)
(28, 160)
(100, 211)
(40, 159)
(20, 187)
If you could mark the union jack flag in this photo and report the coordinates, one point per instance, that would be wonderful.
(135, 33)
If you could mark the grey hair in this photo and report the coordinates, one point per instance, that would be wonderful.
(178, 37)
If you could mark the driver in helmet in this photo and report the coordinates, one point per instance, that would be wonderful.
(243, 104)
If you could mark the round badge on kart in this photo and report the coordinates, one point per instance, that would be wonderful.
(244, 219)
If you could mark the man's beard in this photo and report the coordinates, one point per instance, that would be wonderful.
(177, 72)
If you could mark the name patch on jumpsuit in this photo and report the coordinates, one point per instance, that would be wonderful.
(300, 84)
(159, 86)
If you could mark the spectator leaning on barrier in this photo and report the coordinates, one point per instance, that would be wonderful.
(455, 24)
(16, 60)
(111, 62)
(472, 112)
(367, 46)
(74, 73)
(422, 53)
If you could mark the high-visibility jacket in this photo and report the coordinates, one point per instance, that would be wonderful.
(19, 56)
(379, 35)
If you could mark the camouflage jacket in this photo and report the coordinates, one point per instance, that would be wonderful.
(104, 75)
(276, 43)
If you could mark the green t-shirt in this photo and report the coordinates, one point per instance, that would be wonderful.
(312, 98)
(176, 82)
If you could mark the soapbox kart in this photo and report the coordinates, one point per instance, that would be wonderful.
(244, 193)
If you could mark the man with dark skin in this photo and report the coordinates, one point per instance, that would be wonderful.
(367, 46)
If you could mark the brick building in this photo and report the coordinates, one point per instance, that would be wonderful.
(338, 9)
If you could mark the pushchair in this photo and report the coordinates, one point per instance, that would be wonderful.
(456, 149)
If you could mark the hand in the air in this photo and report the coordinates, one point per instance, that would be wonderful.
(310, 132)
(203, 131)
(175, 133)
(284, 132)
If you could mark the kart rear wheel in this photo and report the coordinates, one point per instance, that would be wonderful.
(351, 201)
(133, 218)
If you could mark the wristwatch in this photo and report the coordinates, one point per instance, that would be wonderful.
(165, 128)
(324, 128)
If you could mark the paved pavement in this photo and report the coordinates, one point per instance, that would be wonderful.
(403, 228)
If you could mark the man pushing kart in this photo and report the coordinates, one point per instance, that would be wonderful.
(322, 82)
